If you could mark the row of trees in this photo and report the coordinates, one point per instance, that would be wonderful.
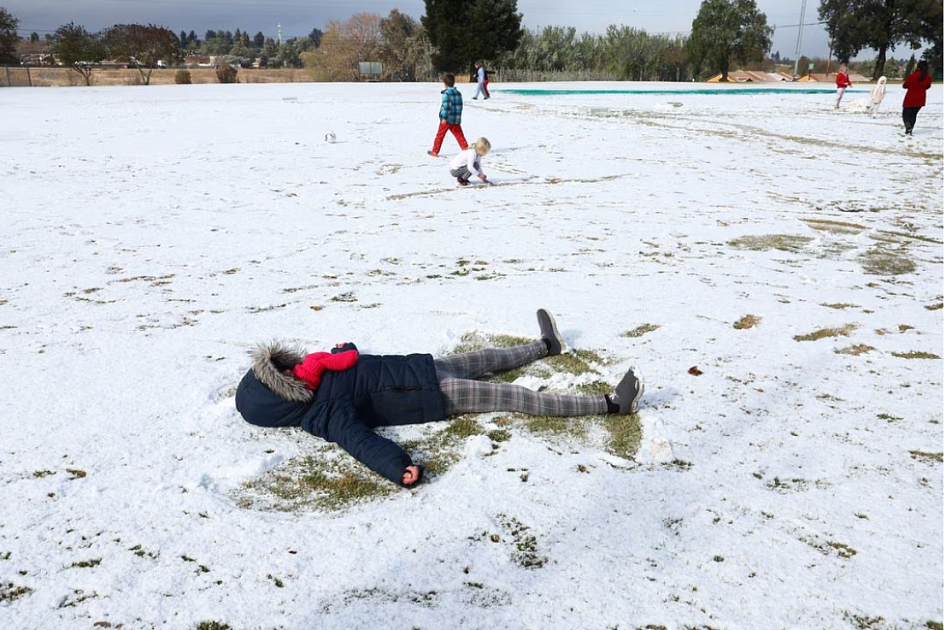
(454, 33)
(882, 25)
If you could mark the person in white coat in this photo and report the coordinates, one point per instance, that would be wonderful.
(877, 96)
(469, 162)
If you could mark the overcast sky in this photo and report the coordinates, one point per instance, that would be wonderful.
(299, 17)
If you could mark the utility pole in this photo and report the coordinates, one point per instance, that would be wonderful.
(801, 30)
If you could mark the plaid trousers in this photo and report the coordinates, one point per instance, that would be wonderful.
(463, 394)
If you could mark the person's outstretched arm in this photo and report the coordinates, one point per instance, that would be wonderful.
(337, 422)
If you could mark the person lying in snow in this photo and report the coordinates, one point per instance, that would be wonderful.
(343, 395)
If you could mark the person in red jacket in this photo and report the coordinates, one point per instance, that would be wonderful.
(843, 81)
(916, 86)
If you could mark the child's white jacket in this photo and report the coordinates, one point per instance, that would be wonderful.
(880, 90)
(468, 158)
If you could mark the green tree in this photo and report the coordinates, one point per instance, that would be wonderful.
(401, 46)
(8, 37)
(728, 31)
(145, 45)
(76, 47)
(880, 25)
(258, 40)
(466, 30)
(316, 37)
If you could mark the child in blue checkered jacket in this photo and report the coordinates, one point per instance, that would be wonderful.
(451, 111)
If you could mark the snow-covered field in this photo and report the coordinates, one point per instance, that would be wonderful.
(794, 479)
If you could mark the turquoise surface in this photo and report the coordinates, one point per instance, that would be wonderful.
(714, 91)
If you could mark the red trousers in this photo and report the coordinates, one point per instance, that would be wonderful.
(442, 130)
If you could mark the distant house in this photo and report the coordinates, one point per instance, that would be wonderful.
(752, 76)
(198, 61)
(821, 77)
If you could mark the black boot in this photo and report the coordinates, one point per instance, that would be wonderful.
(550, 335)
(627, 394)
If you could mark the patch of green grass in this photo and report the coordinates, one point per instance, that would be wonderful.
(915, 355)
(856, 350)
(11, 592)
(933, 457)
(499, 435)
(824, 333)
(473, 341)
(87, 564)
(573, 362)
(641, 330)
(212, 625)
(864, 622)
(780, 242)
(348, 296)
(840, 306)
(747, 321)
(838, 227)
(624, 434)
(526, 545)
(596, 388)
(328, 481)
(554, 426)
(845, 551)
(934, 625)
(934, 307)
(879, 261)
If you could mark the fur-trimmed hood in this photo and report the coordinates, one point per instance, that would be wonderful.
(269, 361)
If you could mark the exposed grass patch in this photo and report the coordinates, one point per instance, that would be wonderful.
(212, 625)
(327, 481)
(348, 296)
(87, 564)
(10, 592)
(931, 457)
(837, 227)
(856, 350)
(880, 261)
(624, 435)
(747, 321)
(780, 242)
(840, 306)
(641, 330)
(526, 547)
(824, 333)
(915, 355)
(934, 307)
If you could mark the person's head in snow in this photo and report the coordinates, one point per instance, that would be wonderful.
(469, 162)
(343, 396)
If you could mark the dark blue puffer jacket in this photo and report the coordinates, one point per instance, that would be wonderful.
(377, 391)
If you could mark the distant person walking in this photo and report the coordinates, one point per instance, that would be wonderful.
(843, 81)
(451, 113)
(480, 81)
(916, 86)
(877, 96)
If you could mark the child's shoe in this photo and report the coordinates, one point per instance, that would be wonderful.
(550, 334)
(627, 394)
(462, 181)
(432, 154)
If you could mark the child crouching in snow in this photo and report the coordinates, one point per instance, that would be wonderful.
(468, 162)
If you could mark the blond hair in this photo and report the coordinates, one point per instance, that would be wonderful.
(481, 145)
